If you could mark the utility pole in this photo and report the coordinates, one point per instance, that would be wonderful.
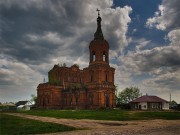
(170, 97)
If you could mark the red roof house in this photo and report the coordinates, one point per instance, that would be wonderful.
(149, 102)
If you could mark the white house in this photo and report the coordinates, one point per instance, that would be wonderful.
(148, 102)
(23, 105)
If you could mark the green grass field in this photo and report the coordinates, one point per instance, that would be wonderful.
(18, 126)
(11, 125)
(117, 115)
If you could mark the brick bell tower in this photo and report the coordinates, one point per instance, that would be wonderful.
(99, 47)
(100, 73)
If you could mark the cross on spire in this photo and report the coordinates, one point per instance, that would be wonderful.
(98, 11)
(98, 35)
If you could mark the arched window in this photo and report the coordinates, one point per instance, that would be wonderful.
(94, 56)
(104, 56)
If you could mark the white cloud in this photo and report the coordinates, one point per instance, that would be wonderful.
(52, 37)
(134, 31)
(174, 37)
(167, 16)
(141, 44)
(120, 19)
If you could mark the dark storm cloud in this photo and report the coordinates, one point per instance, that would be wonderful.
(166, 81)
(160, 64)
(149, 60)
(17, 22)
(170, 82)
(36, 34)
(4, 80)
(158, 57)
(69, 20)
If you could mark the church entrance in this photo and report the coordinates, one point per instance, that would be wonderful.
(107, 101)
(43, 102)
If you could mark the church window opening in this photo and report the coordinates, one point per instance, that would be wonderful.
(80, 79)
(44, 103)
(104, 56)
(94, 56)
(106, 79)
(70, 101)
(107, 101)
(48, 101)
(91, 78)
(91, 99)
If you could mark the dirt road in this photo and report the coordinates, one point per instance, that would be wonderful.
(104, 127)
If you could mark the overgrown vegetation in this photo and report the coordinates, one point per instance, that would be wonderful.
(106, 114)
(11, 125)
(33, 98)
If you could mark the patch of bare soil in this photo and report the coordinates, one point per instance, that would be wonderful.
(104, 127)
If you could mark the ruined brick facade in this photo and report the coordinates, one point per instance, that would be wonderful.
(91, 87)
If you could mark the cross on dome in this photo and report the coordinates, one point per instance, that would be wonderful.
(98, 11)
(98, 35)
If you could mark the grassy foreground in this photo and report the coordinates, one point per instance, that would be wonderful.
(118, 115)
(11, 125)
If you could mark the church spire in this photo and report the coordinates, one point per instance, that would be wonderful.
(98, 35)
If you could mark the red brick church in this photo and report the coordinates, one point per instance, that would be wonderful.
(91, 87)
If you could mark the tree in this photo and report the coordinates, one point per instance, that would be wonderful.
(116, 95)
(64, 64)
(33, 98)
(128, 94)
(173, 104)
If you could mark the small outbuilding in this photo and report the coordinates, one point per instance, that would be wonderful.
(23, 105)
(149, 102)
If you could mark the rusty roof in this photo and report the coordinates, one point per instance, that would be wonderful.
(147, 98)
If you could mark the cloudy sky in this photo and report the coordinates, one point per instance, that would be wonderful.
(144, 38)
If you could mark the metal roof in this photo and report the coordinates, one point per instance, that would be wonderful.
(147, 98)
